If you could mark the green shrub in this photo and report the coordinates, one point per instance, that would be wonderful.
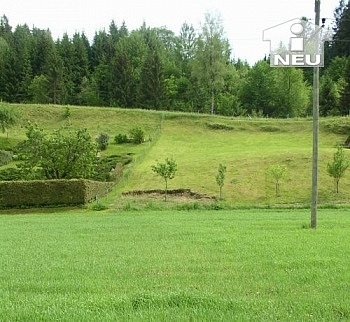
(338, 125)
(137, 135)
(11, 174)
(110, 168)
(121, 139)
(102, 141)
(98, 206)
(5, 157)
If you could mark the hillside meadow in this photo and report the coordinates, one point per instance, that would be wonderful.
(199, 143)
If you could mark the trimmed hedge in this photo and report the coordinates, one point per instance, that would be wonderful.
(51, 192)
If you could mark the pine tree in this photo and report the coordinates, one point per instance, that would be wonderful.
(345, 95)
(341, 44)
(151, 91)
(125, 70)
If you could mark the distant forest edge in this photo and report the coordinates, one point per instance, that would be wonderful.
(153, 68)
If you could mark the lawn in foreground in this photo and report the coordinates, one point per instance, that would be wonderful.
(242, 265)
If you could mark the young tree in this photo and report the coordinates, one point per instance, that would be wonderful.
(220, 177)
(336, 169)
(166, 170)
(276, 171)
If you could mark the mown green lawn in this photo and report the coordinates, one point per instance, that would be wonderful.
(238, 265)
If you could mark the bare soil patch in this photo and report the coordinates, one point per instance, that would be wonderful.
(177, 194)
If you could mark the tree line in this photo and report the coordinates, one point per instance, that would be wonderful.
(154, 68)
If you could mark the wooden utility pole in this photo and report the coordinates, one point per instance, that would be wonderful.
(316, 96)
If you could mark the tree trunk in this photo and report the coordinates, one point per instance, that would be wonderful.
(337, 185)
(212, 102)
(166, 189)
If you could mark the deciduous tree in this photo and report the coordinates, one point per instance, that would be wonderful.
(166, 170)
(277, 172)
(336, 169)
(220, 178)
(61, 155)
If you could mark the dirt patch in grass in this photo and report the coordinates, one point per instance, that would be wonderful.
(177, 194)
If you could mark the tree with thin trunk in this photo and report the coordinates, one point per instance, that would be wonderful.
(336, 169)
(277, 171)
(166, 170)
(220, 178)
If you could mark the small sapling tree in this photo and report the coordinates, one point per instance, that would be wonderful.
(336, 169)
(276, 171)
(67, 112)
(220, 178)
(166, 170)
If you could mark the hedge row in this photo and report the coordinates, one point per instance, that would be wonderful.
(51, 192)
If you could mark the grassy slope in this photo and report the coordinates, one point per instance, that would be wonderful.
(175, 266)
(246, 147)
(247, 151)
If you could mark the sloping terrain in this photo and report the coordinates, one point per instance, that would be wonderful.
(199, 143)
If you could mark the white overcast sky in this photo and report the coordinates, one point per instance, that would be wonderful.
(243, 20)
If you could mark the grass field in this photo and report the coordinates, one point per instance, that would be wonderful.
(243, 265)
(187, 262)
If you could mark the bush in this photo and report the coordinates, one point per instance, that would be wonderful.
(121, 139)
(102, 141)
(5, 157)
(108, 168)
(11, 174)
(137, 135)
(99, 206)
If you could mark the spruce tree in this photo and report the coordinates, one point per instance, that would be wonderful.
(345, 95)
